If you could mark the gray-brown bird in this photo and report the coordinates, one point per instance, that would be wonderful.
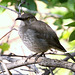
(38, 36)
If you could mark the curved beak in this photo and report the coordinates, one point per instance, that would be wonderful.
(19, 18)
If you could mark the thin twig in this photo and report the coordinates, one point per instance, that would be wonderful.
(9, 9)
(22, 2)
(49, 14)
(7, 33)
(10, 32)
(13, 55)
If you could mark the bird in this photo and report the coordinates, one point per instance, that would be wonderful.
(38, 36)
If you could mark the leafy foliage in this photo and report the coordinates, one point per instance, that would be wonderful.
(65, 35)
(58, 23)
(31, 5)
(69, 15)
(4, 46)
(71, 24)
(72, 36)
(63, 1)
(71, 5)
(6, 3)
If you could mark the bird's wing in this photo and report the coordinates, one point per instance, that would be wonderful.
(44, 31)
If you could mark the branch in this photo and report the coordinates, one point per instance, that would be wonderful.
(57, 63)
(9, 9)
(7, 33)
(31, 11)
(43, 61)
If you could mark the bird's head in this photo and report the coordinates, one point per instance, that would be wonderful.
(27, 17)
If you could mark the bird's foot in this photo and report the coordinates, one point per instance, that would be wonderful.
(36, 56)
(40, 55)
(30, 56)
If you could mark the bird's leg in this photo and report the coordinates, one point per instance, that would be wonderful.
(40, 55)
(37, 56)
(30, 56)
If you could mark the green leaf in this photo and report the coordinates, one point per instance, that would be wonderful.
(4, 46)
(72, 36)
(5, 3)
(59, 11)
(63, 1)
(58, 23)
(54, 2)
(2, 9)
(71, 5)
(66, 34)
(72, 44)
(69, 15)
(71, 24)
(31, 5)
(51, 3)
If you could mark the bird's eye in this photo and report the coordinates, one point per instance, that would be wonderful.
(26, 19)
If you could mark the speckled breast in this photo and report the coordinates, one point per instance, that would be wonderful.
(32, 42)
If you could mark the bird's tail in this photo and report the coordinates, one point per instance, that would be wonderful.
(64, 50)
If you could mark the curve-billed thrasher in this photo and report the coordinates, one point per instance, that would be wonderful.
(37, 35)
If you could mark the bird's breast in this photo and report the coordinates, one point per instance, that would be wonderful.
(32, 42)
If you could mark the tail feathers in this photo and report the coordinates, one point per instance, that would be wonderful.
(61, 48)
(70, 56)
